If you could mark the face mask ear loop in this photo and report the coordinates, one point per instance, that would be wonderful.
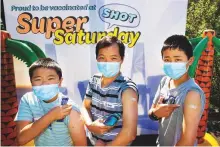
(188, 66)
(59, 84)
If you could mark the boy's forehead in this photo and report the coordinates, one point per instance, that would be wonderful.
(174, 53)
(44, 72)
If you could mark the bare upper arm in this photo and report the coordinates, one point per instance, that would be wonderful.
(75, 119)
(192, 105)
(130, 108)
(191, 115)
(76, 129)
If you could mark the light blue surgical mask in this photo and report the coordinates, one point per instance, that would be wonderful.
(46, 92)
(175, 70)
(108, 69)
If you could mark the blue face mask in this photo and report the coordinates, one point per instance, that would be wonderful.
(46, 92)
(109, 69)
(175, 70)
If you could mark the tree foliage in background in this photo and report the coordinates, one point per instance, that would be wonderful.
(201, 15)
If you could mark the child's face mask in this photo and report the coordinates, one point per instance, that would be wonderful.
(175, 70)
(46, 92)
(108, 69)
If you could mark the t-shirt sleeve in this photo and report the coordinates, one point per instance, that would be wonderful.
(89, 90)
(75, 107)
(24, 111)
(126, 85)
(157, 95)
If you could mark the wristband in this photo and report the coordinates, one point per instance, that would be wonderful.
(153, 116)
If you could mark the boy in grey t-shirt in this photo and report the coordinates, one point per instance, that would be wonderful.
(179, 101)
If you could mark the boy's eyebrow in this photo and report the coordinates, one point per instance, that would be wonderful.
(177, 56)
(114, 56)
(51, 76)
(36, 77)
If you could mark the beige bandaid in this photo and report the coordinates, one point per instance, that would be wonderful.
(193, 106)
(134, 99)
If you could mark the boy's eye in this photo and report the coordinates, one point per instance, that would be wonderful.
(51, 79)
(166, 60)
(178, 60)
(101, 58)
(37, 79)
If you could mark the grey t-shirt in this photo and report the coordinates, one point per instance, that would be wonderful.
(170, 128)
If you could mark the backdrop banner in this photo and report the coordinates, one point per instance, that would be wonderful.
(67, 31)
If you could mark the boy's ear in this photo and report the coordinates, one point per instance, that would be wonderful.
(61, 80)
(191, 60)
(122, 60)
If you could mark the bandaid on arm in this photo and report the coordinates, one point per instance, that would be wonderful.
(193, 106)
(133, 99)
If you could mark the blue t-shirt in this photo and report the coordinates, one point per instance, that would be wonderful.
(32, 109)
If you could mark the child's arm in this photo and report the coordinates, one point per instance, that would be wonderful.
(27, 131)
(158, 109)
(162, 110)
(130, 115)
(76, 129)
(191, 118)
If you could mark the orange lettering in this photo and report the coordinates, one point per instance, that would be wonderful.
(24, 24)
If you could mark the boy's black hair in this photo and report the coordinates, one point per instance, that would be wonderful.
(45, 63)
(108, 41)
(178, 42)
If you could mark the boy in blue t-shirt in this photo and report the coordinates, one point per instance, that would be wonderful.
(179, 101)
(46, 115)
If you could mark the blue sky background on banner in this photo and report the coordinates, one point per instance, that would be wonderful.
(158, 20)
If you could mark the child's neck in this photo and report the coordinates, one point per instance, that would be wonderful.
(107, 81)
(178, 82)
(52, 100)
